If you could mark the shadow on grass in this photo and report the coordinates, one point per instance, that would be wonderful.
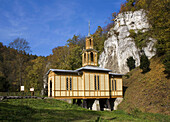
(22, 112)
(17, 113)
(52, 110)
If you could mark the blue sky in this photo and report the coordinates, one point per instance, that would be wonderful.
(46, 24)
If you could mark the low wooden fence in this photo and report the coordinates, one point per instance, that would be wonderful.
(20, 94)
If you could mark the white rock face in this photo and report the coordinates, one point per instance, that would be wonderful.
(117, 102)
(119, 46)
(96, 105)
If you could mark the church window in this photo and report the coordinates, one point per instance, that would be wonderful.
(90, 41)
(98, 82)
(85, 57)
(112, 85)
(115, 85)
(67, 83)
(70, 83)
(91, 54)
(95, 82)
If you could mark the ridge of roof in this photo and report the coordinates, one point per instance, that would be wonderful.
(93, 68)
(79, 69)
(61, 70)
(110, 73)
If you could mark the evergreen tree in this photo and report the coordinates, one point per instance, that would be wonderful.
(144, 63)
(130, 63)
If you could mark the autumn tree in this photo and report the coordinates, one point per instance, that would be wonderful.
(35, 73)
(68, 56)
(22, 46)
(8, 65)
(59, 59)
(159, 19)
(74, 57)
(99, 38)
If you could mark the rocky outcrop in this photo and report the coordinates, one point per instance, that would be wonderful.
(119, 46)
(117, 102)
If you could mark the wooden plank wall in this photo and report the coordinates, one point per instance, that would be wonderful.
(83, 86)
(118, 91)
(90, 85)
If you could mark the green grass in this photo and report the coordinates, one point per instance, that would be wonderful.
(55, 110)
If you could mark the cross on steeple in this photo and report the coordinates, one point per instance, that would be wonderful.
(89, 29)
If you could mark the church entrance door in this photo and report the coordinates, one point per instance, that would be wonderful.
(50, 88)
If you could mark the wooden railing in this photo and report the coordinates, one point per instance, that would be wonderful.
(19, 94)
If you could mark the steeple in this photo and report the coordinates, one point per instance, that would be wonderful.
(89, 29)
(89, 55)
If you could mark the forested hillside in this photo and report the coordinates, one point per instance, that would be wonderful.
(19, 67)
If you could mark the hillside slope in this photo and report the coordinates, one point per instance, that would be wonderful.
(148, 92)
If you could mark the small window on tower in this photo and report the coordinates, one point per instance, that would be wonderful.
(91, 54)
(90, 41)
(85, 58)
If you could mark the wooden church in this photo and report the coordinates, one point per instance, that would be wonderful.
(88, 83)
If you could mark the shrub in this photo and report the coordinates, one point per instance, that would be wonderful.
(130, 63)
(132, 33)
(4, 85)
(144, 63)
(166, 63)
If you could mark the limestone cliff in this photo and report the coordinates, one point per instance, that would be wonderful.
(119, 46)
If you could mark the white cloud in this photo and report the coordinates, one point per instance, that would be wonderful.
(50, 22)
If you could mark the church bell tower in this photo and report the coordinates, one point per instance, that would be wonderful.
(89, 55)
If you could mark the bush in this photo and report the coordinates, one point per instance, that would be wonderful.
(130, 63)
(132, 33)
(144, 63)
(166, 63)
(140, 38)
(4, 85)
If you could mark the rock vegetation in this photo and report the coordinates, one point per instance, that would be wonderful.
(120, 45)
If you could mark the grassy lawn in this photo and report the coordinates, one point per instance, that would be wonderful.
(55, 110)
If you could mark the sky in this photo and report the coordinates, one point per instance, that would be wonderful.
(47, 24)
